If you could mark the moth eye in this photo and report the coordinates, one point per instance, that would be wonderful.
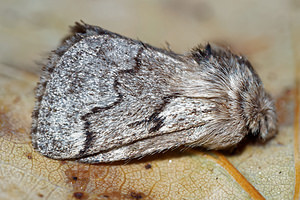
(267, 122)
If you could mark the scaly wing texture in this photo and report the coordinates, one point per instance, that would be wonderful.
(98, 93)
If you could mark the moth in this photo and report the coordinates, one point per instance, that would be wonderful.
(103, 97)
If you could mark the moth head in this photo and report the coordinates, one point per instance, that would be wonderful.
(255, 104)
(231, 81)
(262, 121)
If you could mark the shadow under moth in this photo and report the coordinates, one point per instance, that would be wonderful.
(103, 97)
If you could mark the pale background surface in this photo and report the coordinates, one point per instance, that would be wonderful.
(267, 32)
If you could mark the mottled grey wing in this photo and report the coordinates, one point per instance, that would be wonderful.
(102, 92)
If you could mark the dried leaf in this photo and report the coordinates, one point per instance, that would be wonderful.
(255, 171)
